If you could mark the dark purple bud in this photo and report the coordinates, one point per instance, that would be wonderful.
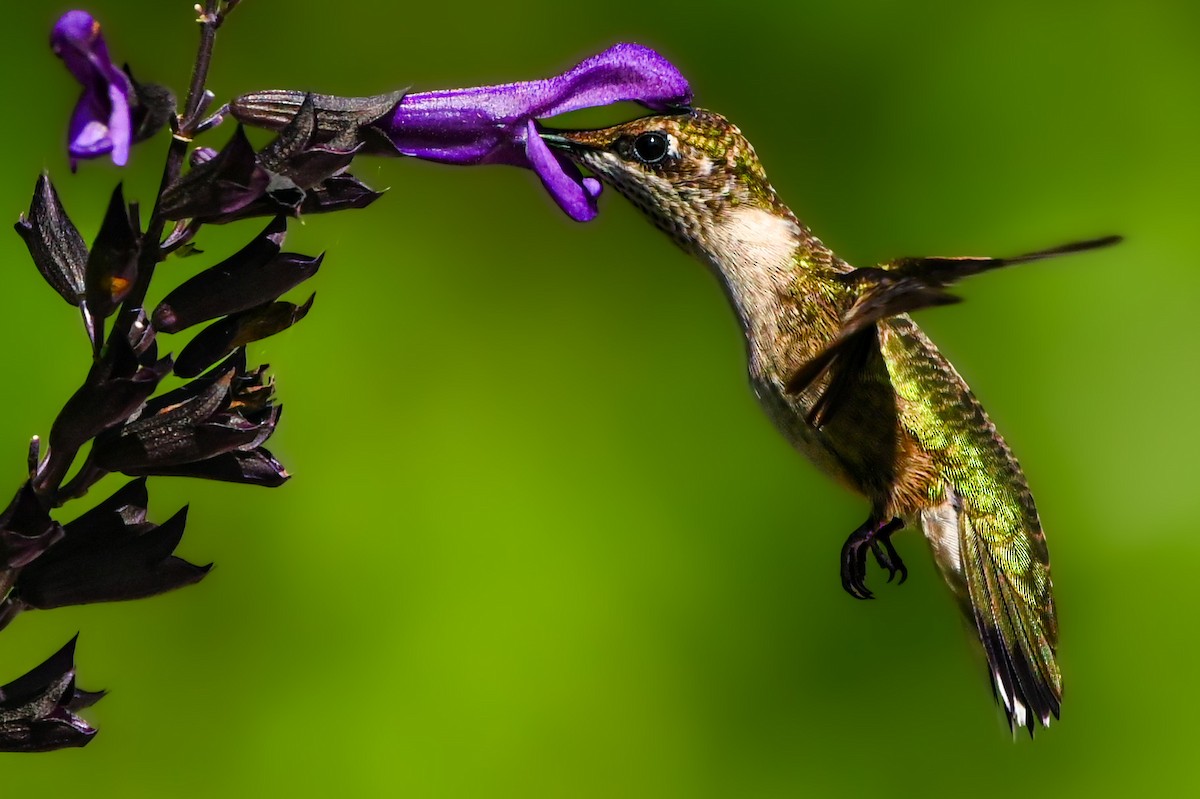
(142, 341)
(300, 172)
(338, 193)
(251, 467)
(345, 122)
(112, 263)
(126, 507)
(102, 121)
(218, 187)
(54, 243)
(153, 107)
(179, 241)
(289, 190)
(109, 554)
(296, 157)
(235, 364)
(201, 155)
(237, 330)
(26, 531)
(37, 710)
(225, 410)
(116, 386)
(301, 161)
(255, 275)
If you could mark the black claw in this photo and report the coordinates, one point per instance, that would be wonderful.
(888, 557)
(875, 536)
(854, 567)
(883, 558)
(895, 564)
(861, 565)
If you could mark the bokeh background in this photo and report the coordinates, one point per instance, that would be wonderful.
(540, 541)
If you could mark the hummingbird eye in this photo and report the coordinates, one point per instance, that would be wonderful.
(651, 147)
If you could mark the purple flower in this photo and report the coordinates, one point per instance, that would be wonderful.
(497, 124)
(102, 121)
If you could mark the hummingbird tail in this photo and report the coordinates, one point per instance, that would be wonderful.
(1013, 611)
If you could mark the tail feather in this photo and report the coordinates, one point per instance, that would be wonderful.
(1014, 619)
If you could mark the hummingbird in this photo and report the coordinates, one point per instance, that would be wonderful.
(854, 384)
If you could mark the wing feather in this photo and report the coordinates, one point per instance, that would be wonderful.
(1002, 558)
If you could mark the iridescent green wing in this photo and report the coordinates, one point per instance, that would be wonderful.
(1000, 564)
(1002, 554)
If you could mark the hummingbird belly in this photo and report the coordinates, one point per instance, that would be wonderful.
(862, 445)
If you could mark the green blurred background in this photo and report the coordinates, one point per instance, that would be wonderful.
(540, 541)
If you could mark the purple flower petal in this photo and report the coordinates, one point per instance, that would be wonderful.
(560, 177)
(120, 122)
(621, 73)
(76, 36)
(102, 120)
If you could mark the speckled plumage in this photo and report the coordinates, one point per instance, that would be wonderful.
(907, 432)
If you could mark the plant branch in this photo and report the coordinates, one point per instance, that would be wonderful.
(151, 253)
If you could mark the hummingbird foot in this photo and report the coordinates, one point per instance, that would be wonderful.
(876, 536)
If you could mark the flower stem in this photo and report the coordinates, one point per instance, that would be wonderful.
(151, 253)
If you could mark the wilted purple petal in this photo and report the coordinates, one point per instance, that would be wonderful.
(102, 121)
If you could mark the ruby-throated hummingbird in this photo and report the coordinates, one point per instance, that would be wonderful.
(855, 385)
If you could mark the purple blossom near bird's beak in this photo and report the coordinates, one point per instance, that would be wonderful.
(496, 124)
(102, 122)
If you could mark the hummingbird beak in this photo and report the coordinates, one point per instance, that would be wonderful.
(565, 141)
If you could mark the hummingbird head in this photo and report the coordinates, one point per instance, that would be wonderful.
(688, 172)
